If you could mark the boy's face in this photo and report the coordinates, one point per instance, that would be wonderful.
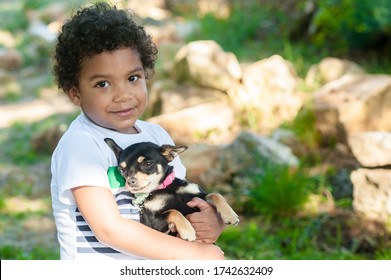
(112, 89)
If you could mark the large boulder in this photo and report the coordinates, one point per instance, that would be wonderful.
(330, 69)
(206, 64)
(219, 166)
(10, 59)
(371, 149)
(166, 96)
(372, 193)
(212, 122)
(268, 93)
(353, 104)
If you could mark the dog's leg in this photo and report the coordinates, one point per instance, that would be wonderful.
(182, 225)
(226, 212)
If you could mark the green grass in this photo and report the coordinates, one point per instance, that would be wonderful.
(293, 239)
(10, 252)
(19, 139)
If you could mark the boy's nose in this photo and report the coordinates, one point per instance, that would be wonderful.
(122, 93)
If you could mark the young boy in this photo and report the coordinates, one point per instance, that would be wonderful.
(102, 60)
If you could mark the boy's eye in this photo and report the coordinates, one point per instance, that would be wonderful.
(102, 84)
(133, 78)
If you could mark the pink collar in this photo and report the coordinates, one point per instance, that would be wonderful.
(169, 179)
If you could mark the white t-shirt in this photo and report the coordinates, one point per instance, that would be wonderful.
(82, 158)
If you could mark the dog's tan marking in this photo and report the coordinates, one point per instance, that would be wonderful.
(226, 212)
(122, 164)
(156, 205)
(190, 188)
(146, 183)
(140, 159)
(159, 169)
(182, 225)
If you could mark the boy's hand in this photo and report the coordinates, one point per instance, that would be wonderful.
(207, 223)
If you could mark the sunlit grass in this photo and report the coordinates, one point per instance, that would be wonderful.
(293, 238)
(12, 252)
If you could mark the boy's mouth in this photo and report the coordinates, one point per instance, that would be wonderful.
(124, 112)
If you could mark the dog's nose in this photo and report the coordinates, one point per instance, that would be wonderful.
(132, 181)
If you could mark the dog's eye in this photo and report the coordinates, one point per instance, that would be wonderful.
(147, 164)
(122, 170)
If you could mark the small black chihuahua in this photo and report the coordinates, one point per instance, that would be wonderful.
(160, 195)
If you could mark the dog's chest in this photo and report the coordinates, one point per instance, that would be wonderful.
(174, 197)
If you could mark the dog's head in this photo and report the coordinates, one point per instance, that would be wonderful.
(144, 165)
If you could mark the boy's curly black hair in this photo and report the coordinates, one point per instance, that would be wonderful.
(94, 30)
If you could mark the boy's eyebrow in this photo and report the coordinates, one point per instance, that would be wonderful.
(104, 76)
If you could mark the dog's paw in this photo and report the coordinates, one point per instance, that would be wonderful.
(189, 234)
(230, 217)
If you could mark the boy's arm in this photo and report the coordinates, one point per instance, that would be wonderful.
(207, 223)
(100, 210)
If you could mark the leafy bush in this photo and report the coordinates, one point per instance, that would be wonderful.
(304, 127)
(350, 24)
(240, 32)
(12, 16)
(279, 191)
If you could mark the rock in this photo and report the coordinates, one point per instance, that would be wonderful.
(207, 65)
(331, 69)
(372, 193)
(7, 39)
(353, 104)
(245, 149)
(166, 96)
(371, 149)
(219, 167)
(219, 8)
(212, 122)
(46, 141)
(201, 161)
(268, 93)
(154, 9)
(10, 59)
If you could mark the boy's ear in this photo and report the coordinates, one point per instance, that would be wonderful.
(74, 96)
(170, 152)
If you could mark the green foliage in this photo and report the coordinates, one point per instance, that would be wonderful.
(19, 145)
(256, 31)
(279, 191)
(350, 24)
(12, 16)
(10, 252)
(304, 127)
(19, 139)
(244, 26)
(253, 241)
(383, 254)
(36, 4)
(35, 51)
(286, 239)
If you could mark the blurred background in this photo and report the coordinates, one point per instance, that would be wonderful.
(286, 107)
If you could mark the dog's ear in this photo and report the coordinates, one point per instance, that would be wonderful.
(170, 152)
(116, 149)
